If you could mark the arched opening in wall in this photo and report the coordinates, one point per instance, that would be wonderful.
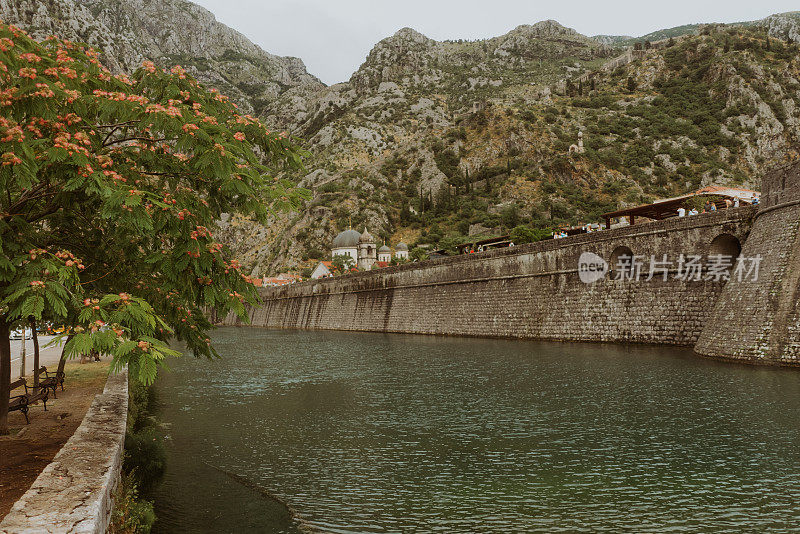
(620, 264)
(369, 251)
(725, 245)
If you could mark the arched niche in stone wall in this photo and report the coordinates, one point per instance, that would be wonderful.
(725, 245)
(618, 253)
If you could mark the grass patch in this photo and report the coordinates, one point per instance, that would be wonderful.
(85, 374)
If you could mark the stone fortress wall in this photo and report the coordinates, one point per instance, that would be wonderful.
(534, 291)
(530, 291)
(760, 322)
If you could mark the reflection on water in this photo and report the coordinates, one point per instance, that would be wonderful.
(389, 433)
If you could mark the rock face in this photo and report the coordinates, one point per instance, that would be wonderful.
(167, 32)
(783, 25)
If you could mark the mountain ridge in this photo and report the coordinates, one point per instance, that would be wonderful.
(168, 32)
(777, 24)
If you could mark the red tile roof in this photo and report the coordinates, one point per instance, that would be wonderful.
(276, 282)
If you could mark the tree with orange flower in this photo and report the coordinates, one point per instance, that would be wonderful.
(110, 188)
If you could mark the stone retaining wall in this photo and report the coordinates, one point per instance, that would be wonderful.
(74, 492)
(531, 291)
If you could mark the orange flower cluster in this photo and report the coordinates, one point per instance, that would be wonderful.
(115, 177)
(12, 133)
(172, 111)
(62, 56)
(69, 259)
(36, 252)
(9, 158)
(44, 91)
(179, 71)
(149, 66)
(7, 96)
(201, 231)
(62, 140)
(124, 79)
(30, 57)
(232, 266)
(70, 119)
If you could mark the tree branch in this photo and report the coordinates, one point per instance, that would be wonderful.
(145, 139)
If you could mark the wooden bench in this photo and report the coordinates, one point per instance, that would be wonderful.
(51, 380)
(31, 396)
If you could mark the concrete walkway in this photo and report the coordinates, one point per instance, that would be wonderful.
(47, 356)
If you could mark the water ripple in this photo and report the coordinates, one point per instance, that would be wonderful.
(377, 433)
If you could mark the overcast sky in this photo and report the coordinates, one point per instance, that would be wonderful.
(334, 36)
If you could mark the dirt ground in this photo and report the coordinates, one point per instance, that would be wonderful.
(29, 448)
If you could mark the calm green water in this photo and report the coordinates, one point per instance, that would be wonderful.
(389, 433)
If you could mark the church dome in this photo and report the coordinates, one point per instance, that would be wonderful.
(384, 250)
(366, 237)
(402, 246)
(347, 239)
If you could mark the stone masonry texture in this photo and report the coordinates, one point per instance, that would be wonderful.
(73, 493)
(531, 291)
(760, 322)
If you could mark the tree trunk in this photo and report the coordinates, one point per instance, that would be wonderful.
(35, 354)
(5, 374)
(63, 361)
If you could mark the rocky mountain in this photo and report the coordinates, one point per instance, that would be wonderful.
(373, 135)
(168, 32)
(431, 141)
(780, 26)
